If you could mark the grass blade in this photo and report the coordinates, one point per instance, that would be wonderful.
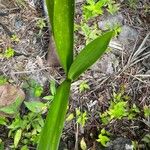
(63, 28)
(52, 130)
(89, 55)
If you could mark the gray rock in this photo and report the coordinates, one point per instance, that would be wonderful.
(127, 33)
(111, 21)
(120, 143)
(106, 64)
(79, 1)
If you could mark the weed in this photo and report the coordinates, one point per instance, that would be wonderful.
(119, 108)
(9, 52)
(33, 88)
(83, 86)
(93, 9)
(103, 138)
(3, 80)
(81, 117)
(15, 38)
(41, 25)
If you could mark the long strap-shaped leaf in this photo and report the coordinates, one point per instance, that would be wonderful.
(63, 28)
(52, 130)
(89, 55)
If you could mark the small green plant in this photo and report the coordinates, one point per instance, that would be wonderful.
(9, 52)
(3, 80)
(81, 117)
(146, 140)
(93, 8)
(33, 88)
(26, 129)
(103, 138)
(119, 108)
(52, 91)
(112, 7)
(21, 3)
(15, 38)
(41, 25)
(83, 86)
(132, 3)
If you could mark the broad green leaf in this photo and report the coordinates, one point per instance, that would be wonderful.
(52, 130)
(89, 55)
(63, 28)
(13, 108)
(35, 107)
(17, 137)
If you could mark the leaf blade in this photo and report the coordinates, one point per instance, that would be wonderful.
(63, 28)
(87, 57)
(52, 130)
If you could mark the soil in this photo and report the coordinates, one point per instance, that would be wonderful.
(116, 68)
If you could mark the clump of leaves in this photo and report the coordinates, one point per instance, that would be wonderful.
(41, 25)
(9, 52)
(3, 80)
(15, 38)
(81, 117)
(33, 88)
(103, 137)
(83, 86)
(93, 8)
(119, 108)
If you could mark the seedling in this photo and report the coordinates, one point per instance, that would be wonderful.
(83, 86)
(15, 38)
(9, 52)
(103, 138)
(81, 117)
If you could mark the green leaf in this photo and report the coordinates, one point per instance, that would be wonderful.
(89, 55)
(53, 87)
(13, 108)
(52, 130)
(17, 137)
(35, 107)
(63, 28)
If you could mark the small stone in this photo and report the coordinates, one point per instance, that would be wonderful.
(111, 21)
(120, 143)
(127, 33)
(106, 64)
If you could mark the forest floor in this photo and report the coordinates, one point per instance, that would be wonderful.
(121, 76)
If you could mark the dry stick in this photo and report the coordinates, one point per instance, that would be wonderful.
(76, 136)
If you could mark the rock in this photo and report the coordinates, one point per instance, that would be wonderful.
(111, 21)
(120, 143)
(11, 98)
(106, 64)
(127, 33)
(79, 1)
